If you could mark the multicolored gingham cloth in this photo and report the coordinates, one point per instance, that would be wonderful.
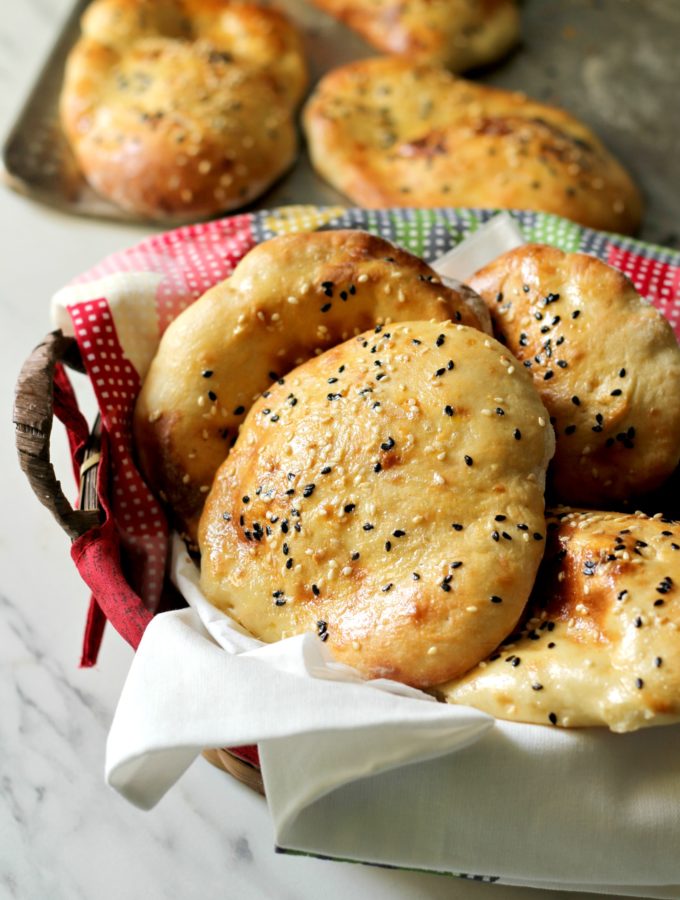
(192, 259)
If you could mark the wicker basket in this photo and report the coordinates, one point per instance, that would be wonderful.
(34, 412)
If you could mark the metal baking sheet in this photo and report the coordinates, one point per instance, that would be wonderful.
(613, 63)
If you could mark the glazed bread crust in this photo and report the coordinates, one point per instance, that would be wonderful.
(288, 299)
(602, 646)
(458, 34)
(605, 362)
(182, 108)
(387, 133)
(387, 495)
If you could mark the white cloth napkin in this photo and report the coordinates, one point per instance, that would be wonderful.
(374, 771)
(523, 804)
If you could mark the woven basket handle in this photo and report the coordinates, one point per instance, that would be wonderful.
(33, 417)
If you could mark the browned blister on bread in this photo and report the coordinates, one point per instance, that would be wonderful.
(459, 34)
(288, 299)
(605, 362)
(387, 496)
(387, 132)
(182, 108)
(602, 645)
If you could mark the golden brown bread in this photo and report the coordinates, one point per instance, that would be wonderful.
(602, 646)
(389, 133)
(182, 108)
(458, 34)
(288, 299)
(605, 362)
(387, 495)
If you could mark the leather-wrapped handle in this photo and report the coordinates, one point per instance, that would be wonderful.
(33, 418)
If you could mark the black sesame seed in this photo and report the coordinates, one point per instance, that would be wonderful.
(326, 470)
(616, 393)
(499, 297)
(440, 372)
(308, 490)
(377, 467)
(355, 555)
(639, 683)
(398, 533)
(553, 718)
(388, 546)
(500, 411)
(332, 380)
(315, 590)
(445, 586)
(457, 526)
(658, 661)
(538, 536)
(239, 410)
(440, 340)
(368, 527)
(212, 396)
(448, 410)
(506, 535)
(576, 314)
(387, 587)
(289, 563)
(548, 375)
(495, 535)
(515, 662)
(570, 429)
(350, 507)
(622, 373)
(343, 295)
(526, 288)
(517, 434)
(500, 518)
(416, 576)
(388, 444)
(622, 595)
(326, 306)
(333, 396)
(468, 460)
(457, 564)
(638, 622)
(537, 687)
(284, 526)
(495, 598)
(207, 373)
(246, 499)
(449, 365)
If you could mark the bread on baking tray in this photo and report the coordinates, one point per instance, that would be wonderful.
(605, 362)
(289, 298)
(458, 34)
(182, 108)
(602, 643)
(387, 494)
(386, 133)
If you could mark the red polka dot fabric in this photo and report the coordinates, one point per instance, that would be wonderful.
(192, 259)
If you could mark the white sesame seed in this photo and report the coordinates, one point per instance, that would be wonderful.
(346, 570)
(362, 278)
(185, 479)
(432, 651)
(541, 421)
(155, 415)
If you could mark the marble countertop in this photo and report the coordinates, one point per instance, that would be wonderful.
(63, 833)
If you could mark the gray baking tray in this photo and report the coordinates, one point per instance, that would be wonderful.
(613, 63)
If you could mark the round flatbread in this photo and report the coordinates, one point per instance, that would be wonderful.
(387, 133)
(182, 108)
(605, 362)
(602, 644)
(288, 299)
(388, 497)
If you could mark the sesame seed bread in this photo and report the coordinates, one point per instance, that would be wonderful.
(602, 646)
(605, 362)
(458, 34)
(387, 495)
(182, 108)
(288, 299)
(387, 133)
